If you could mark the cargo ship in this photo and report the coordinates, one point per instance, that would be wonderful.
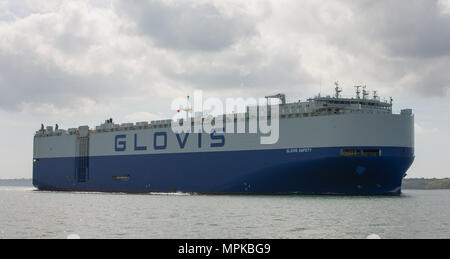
(326, 145)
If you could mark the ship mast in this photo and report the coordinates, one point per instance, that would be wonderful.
(365, 92)
(186, 109)
(358, 91)
(337, 89)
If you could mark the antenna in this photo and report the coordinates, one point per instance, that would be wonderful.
(186, 109)
(357, 91)
(365, 93)
(337, 89)
(320, 85)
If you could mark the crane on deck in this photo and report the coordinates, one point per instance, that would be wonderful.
(282, 98)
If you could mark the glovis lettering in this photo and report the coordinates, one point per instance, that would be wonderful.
(161, 141)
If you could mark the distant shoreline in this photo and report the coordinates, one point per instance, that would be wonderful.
(16, 182)
(426, 184)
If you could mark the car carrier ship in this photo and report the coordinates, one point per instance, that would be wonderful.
(326, 145)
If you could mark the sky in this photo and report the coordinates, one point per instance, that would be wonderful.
(81, 62)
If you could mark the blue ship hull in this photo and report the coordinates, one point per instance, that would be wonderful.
(321, 171)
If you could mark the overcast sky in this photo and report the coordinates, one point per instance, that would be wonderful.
(80, 62)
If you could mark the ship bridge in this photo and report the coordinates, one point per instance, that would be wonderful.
(328, 105)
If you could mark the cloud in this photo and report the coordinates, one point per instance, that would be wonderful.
(250, 66)
(398, 46)
(414, 38)
(218, 45)
(74, 52)
(56, 53)
(187, 25)
(417, 29)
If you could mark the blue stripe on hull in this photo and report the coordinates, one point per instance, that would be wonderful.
(321, 171)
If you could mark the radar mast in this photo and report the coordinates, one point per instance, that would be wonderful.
(337, 89)
(357, 91)
(365, 92)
